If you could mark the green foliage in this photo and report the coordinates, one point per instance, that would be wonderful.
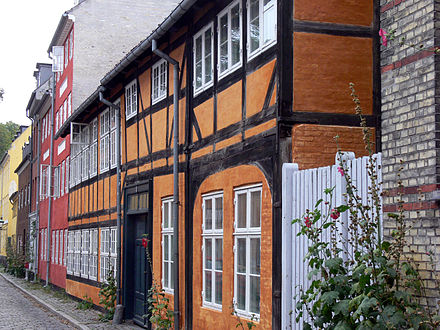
(7, 132)
(374, 287)
(15, 261)
(85, 304)
(107, 296)
(248, 323)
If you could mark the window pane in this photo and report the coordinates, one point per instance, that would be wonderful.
(208, 286)
(255, 208)
(241, 221)
(143, 201)
(198, 55)
(241, 255)
(208, 214)
(235, 35)
(254, 25)
(208, 253)
(165, 275)
(223, 43)
(208, 56)
(165, 248)
(165, 214)
(241, 292)
(219, 254)
(269, 24)
(219, 213)
(218, 288)
(254, 294)
(255, 256)
(172, 276)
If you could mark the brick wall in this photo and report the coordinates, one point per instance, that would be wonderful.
(410, 124)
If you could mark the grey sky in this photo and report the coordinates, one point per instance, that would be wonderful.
(26, 28)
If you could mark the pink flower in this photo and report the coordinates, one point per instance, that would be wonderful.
(145, 243)
(383, 34)
(341, 170)
(335, 214)
(307, 222)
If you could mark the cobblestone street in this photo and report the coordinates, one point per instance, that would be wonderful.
(19, 312)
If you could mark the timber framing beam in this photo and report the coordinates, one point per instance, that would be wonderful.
(345, 30)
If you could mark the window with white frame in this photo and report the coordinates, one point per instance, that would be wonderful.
(69, 104)
(62, 170)
(262, 18)
(104, 254)
(212, 233)
(229, 38)
(113, 141)
(56, 182)
(65, 248)
(85, 141)
(57, 244)
(70, 252)
(94, 147)
(167, 245)
(45, 244)
(104, 141)
(66, 187)
(203, 59)
(66, 53)
(159, 81)
(93, 259)
(60, 256)
(42, 244)
(131, 102)
(85, 247)
(247, 250)
(77, 254)
(113, 249)
(65, 110)
(70, 45)
(52, 247)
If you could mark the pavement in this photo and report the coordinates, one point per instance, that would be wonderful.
(27, 305)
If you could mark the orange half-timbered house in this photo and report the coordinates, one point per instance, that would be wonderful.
(262, 82)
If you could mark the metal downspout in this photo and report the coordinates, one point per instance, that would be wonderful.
(31, 186)
(37, 202)
(118, 192)
(49, 214)
(175, 177)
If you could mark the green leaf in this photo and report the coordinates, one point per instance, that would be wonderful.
(333, 264)
(343, 325)
(386, 246)
(330, 297)
(318, 202)
(313, 273)
(342, 208)
(341, 308)
(328, 224)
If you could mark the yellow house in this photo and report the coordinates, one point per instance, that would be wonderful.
(9, 185)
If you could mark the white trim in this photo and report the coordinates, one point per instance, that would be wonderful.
(201, 34)
(63, 86)
(131, 100)
(62, 147)
(167, 232)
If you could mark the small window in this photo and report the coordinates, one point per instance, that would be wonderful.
(167, 246)
(229, 39)
(262, 25)
(203, 59)
(131, 103)
(212, 232)
(104, 141)
(71, 45)
(159, 81)
(85, 249)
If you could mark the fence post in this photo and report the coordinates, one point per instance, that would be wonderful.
(286, 239)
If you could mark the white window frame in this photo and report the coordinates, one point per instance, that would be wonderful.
(167, 232)
(69, 104)
(62, 171)
(52, 247)
(159, 90)
(70, 44)
(57, 242)
(112, 150)
(246, 233)
(104, 254)
(131, 100)
(263, 10)
(70, 252)
(85, 247)
(93, 259)
(93, 148)
(42, 244)
(113, 249)
(61, 248)
(77, 254)
(104, 143)
(201, 34)
(213, 234)
(231, 67)
(65, 247)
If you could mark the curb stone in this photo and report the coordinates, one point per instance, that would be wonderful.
(61, 314)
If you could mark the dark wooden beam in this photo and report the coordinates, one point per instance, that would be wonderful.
(345, 30)
(320, 118)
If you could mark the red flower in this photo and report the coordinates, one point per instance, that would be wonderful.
(383, 34)
(341, 170)
(26, 265)
(307, 222)
(144, 242)
(335, 214)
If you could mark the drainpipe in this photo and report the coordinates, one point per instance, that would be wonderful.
(175, 177)
(49, 214)
(37, 200)
(118, 190)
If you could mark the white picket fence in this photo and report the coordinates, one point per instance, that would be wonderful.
(301, 190)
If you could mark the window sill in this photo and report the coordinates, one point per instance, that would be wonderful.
(154, 101)
(229, 71)
(261, 50)
(203, 88)
(212, 307)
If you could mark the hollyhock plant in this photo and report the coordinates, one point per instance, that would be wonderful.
(335, 214)
(307, 222)
(341, 170)
(383, 35)
(145, 243)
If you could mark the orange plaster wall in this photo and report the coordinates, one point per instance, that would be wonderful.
(226, 181)
(182, 108)
(201, 152)
(144, 85)
(256, 88)
(178, 55)
(205, 117)
(143, 123)
(324, 66)
(227, 142)
(81, 290)
(160, 129)
(229, 106)
(132, 137)
(260, 128)
(162, 188)
(315, 146)
(113, 189)
(335, 11)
